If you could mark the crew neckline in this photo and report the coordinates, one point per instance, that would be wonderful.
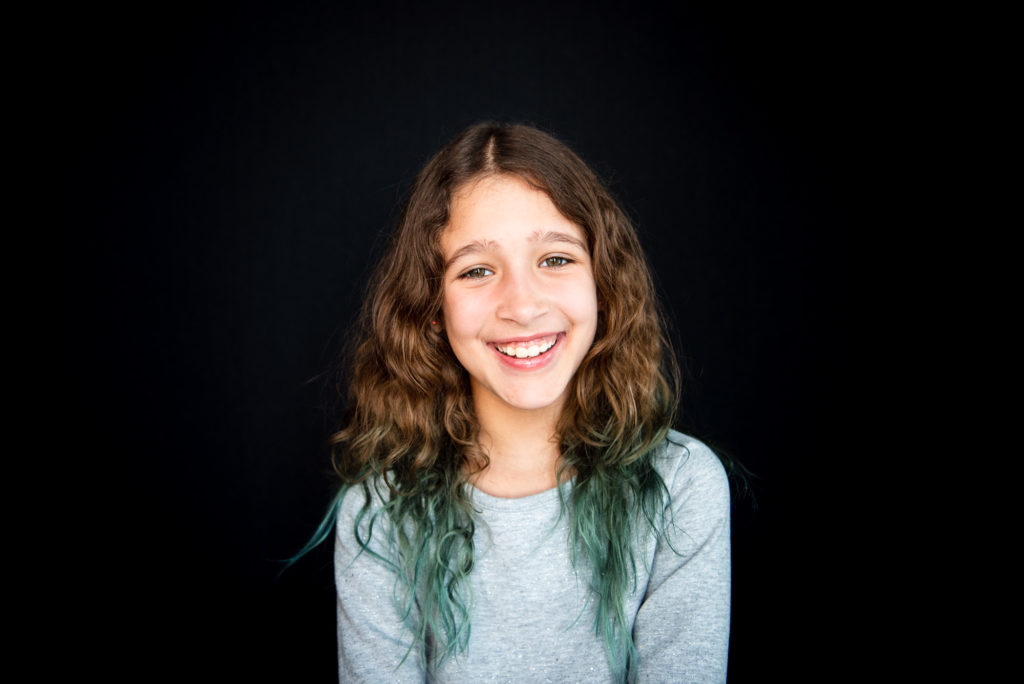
(487, 501)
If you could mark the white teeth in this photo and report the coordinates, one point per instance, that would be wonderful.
(536, 348)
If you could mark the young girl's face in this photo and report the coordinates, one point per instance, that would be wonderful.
(520, 305)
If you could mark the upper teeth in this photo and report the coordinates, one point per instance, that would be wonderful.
(526, 350)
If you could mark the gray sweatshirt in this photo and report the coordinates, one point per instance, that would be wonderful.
(532, 618)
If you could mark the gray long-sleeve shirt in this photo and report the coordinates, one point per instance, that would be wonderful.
(533, 617)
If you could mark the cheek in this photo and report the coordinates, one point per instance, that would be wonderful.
(582, 302)
(462, 317)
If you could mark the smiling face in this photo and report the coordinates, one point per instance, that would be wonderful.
(520, 304)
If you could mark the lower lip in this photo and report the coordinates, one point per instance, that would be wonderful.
(531, 362)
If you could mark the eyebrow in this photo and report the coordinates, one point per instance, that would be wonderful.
(478, 246)
(474, 247)
(555, 236)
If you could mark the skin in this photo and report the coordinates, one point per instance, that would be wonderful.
(518, 275)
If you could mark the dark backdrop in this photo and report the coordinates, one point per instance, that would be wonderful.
(229, 175)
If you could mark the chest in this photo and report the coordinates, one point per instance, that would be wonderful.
(533, 613)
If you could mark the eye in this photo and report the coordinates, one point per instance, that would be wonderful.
(556, 261)
(477, 272)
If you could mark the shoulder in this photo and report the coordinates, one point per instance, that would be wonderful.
(352, 499)
(358, 505)
(361, 523)
(690, 469)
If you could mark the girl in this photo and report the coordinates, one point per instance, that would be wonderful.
(515, 506)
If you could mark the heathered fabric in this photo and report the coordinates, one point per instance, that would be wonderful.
(532, 620)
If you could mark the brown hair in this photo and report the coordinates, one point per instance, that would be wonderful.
(410, 406)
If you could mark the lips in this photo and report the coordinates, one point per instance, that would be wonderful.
(528, 349)
(528, 352)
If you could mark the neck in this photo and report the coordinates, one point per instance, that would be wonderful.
(521, 447)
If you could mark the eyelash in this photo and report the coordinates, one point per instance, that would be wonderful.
(565, 261)
(475, 269)
(480, 270)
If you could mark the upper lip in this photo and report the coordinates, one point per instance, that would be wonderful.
(528, 338)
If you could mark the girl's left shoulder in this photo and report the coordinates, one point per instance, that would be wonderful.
(687, 465)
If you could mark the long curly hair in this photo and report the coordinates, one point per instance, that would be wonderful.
(410, 431)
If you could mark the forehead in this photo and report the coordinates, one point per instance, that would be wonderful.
(503, 209)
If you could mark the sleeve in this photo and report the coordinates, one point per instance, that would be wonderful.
(373, 642)
(682, 627)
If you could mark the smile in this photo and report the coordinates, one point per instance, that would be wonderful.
(527, 350)
(528, 354)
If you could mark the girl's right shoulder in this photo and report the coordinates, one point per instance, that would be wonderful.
(361, 523)
(360, 502)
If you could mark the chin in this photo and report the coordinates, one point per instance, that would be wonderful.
(533, 401)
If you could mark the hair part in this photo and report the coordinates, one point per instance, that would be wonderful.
(411, 427)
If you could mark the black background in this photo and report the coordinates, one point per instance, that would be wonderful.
(230, 173)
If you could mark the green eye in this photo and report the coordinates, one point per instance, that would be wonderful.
(554, 261)
(478, 272)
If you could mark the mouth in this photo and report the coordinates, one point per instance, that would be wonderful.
(527, 349)
(530, 353)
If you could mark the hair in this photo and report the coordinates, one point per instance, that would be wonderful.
(410, 431)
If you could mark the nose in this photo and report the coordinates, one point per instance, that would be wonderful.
(522, 300)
